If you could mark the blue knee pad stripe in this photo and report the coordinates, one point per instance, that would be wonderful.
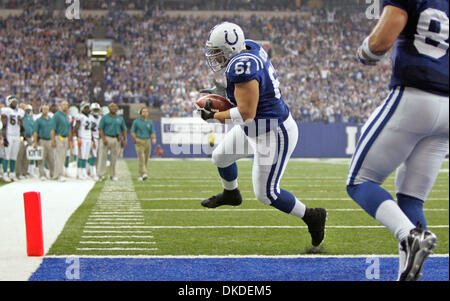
(413, 209)
(229, 173)
(377, 132)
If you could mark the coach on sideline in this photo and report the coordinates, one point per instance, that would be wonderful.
(22, 168)
(43, 132)
(62, 136)
(112, 130)
(141, 130)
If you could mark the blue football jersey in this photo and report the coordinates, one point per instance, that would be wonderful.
(255, 64)
(420, 57)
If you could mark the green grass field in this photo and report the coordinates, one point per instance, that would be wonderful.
(163, 215)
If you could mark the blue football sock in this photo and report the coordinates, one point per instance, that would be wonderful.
(285, 201)
(229, 173)
(229, 177)
(369, 196)
(413, 208)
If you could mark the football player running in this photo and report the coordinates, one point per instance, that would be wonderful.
(12, 117)
(263, 126)
(410, 130)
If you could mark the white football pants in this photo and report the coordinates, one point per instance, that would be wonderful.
(271, 151)
(408, 132)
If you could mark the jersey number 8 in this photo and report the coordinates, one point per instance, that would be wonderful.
(432, 33)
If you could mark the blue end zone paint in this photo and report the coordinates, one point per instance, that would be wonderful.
(230, 269)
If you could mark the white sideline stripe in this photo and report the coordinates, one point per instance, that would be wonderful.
(251, 191)
(263, 210)
(311, 160)
(117, 249)
(116, 236)
(118, 242)
(437, 185)
(247, 227)
(362, 256)
(254, 199)
(241, 177)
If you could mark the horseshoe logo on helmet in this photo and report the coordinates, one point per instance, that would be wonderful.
(235, 41)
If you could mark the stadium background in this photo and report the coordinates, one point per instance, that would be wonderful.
(156, 59)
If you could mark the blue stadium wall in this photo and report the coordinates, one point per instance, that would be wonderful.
(316, 140)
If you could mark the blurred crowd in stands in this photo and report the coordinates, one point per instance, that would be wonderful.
(45, 59)
(258, 5)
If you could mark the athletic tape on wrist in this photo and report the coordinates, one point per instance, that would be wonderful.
(368, 52)
(236, 116)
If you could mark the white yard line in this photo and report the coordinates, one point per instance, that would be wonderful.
(58, 200)
(120, 199)
(116, 232)
(238, 256)
(116, 236)
(258, 210)
(243, 227)
(117, 249)
(95, 242)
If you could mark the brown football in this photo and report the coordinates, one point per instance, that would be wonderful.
(218, 103)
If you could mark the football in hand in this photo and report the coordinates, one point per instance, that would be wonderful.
(218, 103)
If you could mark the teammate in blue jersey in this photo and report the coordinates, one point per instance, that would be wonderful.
(410, 130)
(263, 126)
